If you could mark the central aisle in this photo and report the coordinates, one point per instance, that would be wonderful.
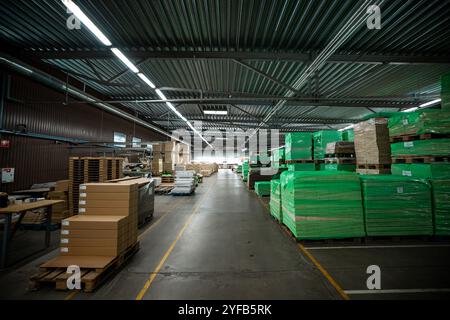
(230, 249)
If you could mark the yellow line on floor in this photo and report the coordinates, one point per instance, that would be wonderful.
(324, 272)
(317, 264)
(149, 282)
(175, 205)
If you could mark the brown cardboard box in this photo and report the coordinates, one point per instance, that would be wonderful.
(107, 211)
(57, 195)
(62, 186)
(90, 251)
(93, 222)
(93, 234)
(108, 196)
(86, 242)
(372, 144)
(108, 187)
(108, 203)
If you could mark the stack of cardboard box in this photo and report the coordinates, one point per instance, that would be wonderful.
(61, 192)
(103, 206)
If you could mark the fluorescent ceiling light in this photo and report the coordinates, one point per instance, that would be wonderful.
(176, 111)
(410, 109)
(346, 128)
(125, 60)
(429, 103)
(160, 94)
(86, 21)
(146, 80)
(216, 112)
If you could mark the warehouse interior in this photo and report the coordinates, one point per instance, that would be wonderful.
(224, 150)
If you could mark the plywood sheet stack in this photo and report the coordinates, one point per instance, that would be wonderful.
(372, 148)
(91, 169)
(340, 156)
(107, 223)
(60, 211)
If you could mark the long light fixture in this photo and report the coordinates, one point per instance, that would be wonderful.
(423, 105)
(216, 112)
(86, 21)
(346, 128)
(96, 31)
(125, 60)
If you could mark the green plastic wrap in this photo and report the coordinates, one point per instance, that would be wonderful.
(298, 146)
(301, 167)
(275, 199)
(396, 206)
(239, 169)
(348, 135)
(445, 92)
(340, 167)
(435, 147)
(321, 139)
(322, 205)
(441, 207)
(437, 170)
(262, 188)
(419, 122)
(277, 157)
(380, 115)
(245, 167)
(320, 166)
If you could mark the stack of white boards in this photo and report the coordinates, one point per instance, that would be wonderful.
(184, 183)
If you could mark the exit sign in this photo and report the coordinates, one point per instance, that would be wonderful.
(4, 143)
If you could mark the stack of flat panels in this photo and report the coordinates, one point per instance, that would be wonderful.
(348, 135)
(245, 167)
(322, 205)
(372, 146)
(340, 167)
(239, 169)
(278, 158)
(301, 166)
(437, 170)
(419, 122)
(184, 183)
(441, 207)
(258, 174)
(298, 146)
(262, 188)
(430, 147)
(321, 139)
(275, 199)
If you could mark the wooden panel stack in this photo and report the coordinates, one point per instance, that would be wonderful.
(372, 148)
(61, 192)
(90, 169)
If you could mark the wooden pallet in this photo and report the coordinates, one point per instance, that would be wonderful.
(320, 241)
(167, 179)
(340, 161)
(299, 161)
(373, 166)
(163, 189)
(91, 277)
(419, 159)
(340, 155)
(425, 136)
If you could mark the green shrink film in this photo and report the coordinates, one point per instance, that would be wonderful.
(435, 147)
(322, 205)
(298, 145)
(340, 167)
(445, 92)
(239, 169)
(245, 167)
(320, 166)
(275, 199)
(348, 135)
(277, 157)
(396, 206)
(441, 207)
(380, 115)
(436, 170)
(301, 167)
(262, 188)
(419, 122)
(321, 139)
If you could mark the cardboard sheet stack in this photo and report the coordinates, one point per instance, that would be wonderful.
(372, 146)
(298, 146)
(278, 158)
(107, 223)
(262, 188)
(340, 156)
(322, 205)
(184, 183)
(396, 206)
(321, 139)
(441, 206)
(275, 199)
(61, 192)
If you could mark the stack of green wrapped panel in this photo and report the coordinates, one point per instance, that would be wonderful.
(262, 188)
(239, 168)
(254, 159)
(419, 122)
(277, 158)
(298, 145)
(445, 91)
(301, 167)
(441, 207)
(245, 167)
(322, 205)
(396, 206)
(275, 199)
(436, 170)
(434, 147)
(321, 139)
(339, 167)
(320, 166)
(348, 135)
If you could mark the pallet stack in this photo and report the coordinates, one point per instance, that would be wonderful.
(262, 188)
(299, 151)
(91, 169)
(340, 156)
(372, 149)
(275, 199)
(256, 175)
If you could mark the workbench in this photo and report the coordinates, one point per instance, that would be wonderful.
(21, 209)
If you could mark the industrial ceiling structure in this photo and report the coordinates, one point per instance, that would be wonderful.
(289, 65)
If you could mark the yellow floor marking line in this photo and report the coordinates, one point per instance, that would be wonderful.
(317, 264)
(72, 295)
(149, 282)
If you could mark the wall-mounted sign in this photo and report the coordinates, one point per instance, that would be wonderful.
(4, 143)
(7, 175)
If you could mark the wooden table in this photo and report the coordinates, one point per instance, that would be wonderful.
(21, 209)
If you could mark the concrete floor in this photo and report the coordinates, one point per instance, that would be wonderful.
(222, 244)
